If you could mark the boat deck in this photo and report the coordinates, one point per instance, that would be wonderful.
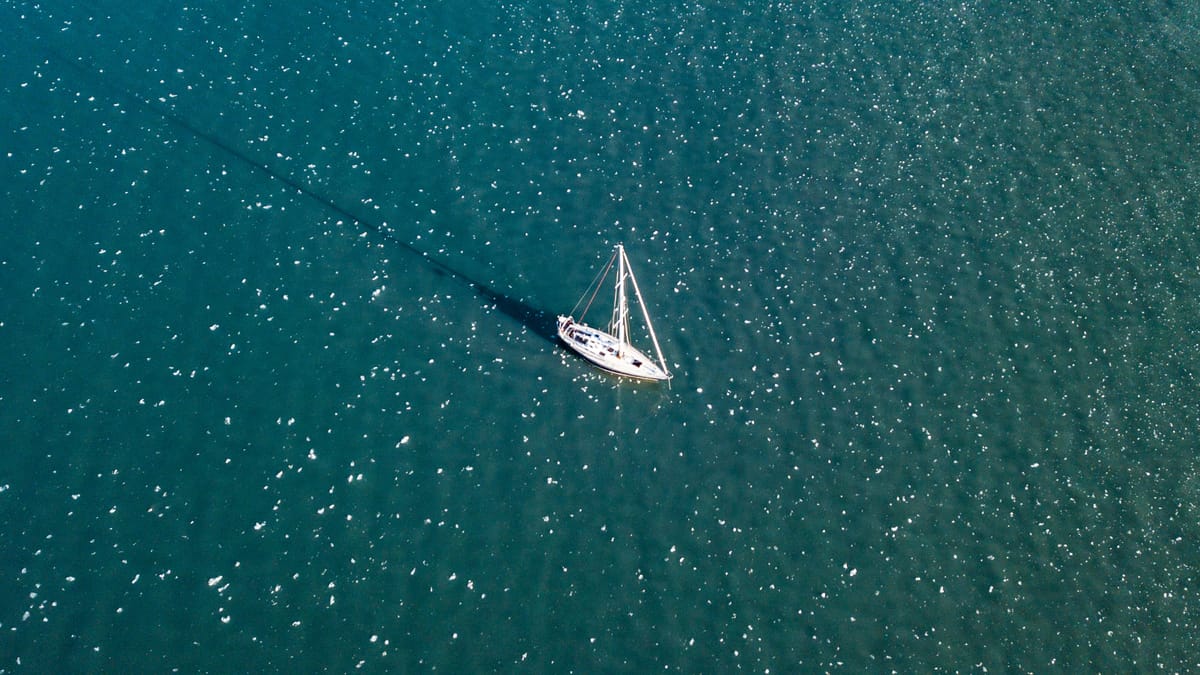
(606, 351)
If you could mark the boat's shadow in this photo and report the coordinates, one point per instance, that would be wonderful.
(538, 321)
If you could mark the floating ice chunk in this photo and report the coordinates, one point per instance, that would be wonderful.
(214, 326)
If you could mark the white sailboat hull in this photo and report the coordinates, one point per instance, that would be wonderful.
(608, 352)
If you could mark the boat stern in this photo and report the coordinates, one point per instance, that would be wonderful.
(564, 322)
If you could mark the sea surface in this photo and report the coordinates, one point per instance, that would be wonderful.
(279, 387)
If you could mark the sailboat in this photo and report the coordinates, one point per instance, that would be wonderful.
(611, 349)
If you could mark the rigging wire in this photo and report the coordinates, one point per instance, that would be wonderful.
(593, 288)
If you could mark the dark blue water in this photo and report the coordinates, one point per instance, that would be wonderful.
(279, 389)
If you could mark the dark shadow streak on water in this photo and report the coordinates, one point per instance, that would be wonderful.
(539, 322)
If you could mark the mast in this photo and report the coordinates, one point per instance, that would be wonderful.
(621, 305)
(645, 314)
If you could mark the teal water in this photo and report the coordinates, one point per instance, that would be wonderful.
(279, 389)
